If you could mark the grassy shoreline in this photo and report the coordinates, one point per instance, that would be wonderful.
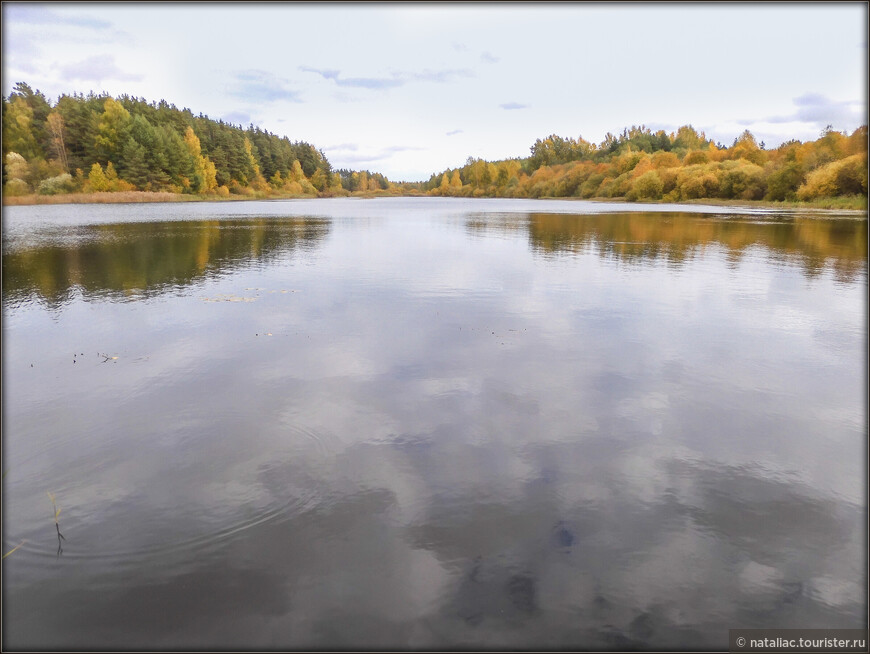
(850, 204)
(120, 197)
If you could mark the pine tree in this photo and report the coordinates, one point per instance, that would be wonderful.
(134, 168)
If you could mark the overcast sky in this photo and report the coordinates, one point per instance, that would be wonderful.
(408, 90)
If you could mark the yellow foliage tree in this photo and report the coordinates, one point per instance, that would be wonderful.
(97, 179)
(747, 148)
(256, 180)
(205, 174)
(295, 174)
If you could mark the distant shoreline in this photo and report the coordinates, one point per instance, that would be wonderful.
(144, 197)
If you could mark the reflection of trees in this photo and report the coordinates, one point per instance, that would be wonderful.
(674, 237)
(150, 257)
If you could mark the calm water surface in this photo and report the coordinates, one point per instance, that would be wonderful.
(431, 423)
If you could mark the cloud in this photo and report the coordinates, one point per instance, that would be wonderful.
(353, 147)
(373, 157)
(356, 82)
(402, 148)
(485, 57)
(361, 158)
(236, 118)
(323, 72)
(23, 47)
(98, 68)
(818, 110)
(259, 86)
(510, 106)
(39, 16)
(454, 132)
(441, 76)
(398, 78)
(371, 82)
(25, 67)
(809, 99)
(20, 55)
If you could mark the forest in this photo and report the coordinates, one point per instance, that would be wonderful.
(639, 165)
(98, 144)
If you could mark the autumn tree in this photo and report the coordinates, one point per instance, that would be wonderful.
(97, 179)
(18, 134)
(204, 174)
(445, 184)
(16, 172)
(687, 138)
(746, 147)
(113, 128)
(55, 127)
(648, 186)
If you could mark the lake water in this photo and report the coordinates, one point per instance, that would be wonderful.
(431, 423)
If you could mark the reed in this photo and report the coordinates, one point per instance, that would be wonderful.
(60, 536)
(5, 472)
(100, 198)
(14, 548)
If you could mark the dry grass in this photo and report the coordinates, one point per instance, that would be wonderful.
(121, 197)
(843, 202)
(99, 198)
(848, 203)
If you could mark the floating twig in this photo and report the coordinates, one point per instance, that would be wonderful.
(60, 536)
(14, 548)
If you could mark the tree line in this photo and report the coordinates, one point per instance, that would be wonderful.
(684, 165)
(95, 143)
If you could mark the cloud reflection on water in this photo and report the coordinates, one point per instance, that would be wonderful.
(591, 453)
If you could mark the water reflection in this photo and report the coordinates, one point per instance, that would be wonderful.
(675, 237)
(467, 432)
(362, 566)
(147, 258)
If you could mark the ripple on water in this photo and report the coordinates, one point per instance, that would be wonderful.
(215, 509)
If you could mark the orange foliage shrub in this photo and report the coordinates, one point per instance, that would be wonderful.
(662, 159)
(845, 177)
(696, 157)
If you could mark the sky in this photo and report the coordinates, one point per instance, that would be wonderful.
(409, 90)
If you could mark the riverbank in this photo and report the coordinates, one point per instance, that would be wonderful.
(844, 203)
(129, 197)
(124, 197)
(852, 203)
